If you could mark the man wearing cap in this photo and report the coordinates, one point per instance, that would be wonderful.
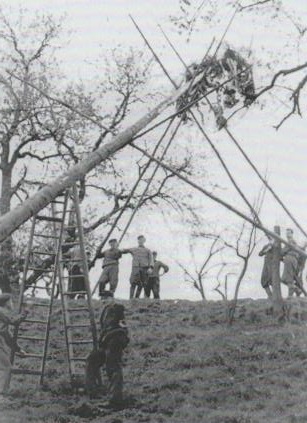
(7, 344)
(154, 278)
(109, 267)
(142, 265)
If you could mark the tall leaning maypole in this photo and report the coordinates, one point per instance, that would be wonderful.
(12, 220)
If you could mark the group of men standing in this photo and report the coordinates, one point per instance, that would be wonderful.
(145, 272)
(294, 264)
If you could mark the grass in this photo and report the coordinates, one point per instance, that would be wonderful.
(184, 364)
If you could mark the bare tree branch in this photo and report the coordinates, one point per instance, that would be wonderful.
(249, 6)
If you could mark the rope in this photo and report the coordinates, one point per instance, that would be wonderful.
(113, 226)
(240, 192)
(149, 182)
(226, 30)
(151, 49)
(263, 180)
(221, 160)
(221, 202)
(61, 102)
(253, 166)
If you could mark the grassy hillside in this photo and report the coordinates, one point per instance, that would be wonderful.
(185, 365)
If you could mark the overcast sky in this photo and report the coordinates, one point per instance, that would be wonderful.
(97, 25)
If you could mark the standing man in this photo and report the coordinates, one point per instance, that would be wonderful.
(142, 265)
(291, 265)
(266, 275)
(112, 342)
(109, 267)
(154, 278)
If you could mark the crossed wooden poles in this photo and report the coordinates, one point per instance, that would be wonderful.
(12, 220)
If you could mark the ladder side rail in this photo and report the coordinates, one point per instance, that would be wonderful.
(64, 302)
(26, 266)
(22, 287)
(85, 267)
(57, 247)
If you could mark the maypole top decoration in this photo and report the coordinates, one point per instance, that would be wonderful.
(216, 70)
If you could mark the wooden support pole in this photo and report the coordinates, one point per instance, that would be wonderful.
(277, 297)
(271, 234)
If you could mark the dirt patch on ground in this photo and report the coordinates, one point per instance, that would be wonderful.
(184, 364)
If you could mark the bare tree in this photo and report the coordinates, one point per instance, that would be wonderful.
(208, 266)
(49, 132)
(223, 282)
(243, 247)
(157, 197)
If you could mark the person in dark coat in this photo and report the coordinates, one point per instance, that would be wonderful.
(266, 275)
(113, 340)
(293, 266)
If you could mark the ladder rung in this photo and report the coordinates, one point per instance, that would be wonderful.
(43, 253)
(57, 202)
(77, 375)
(78, 358)
(71, 243)
(67, 211)
(30, 338)
(72, 277)
(38, 304)
(18, 371)
(40, 287)
(86, 341)
(42, 322)
(71, 260)
(77, 309)
(46, 236)
(40, 269)
(49, 218)
(76, 293)
(78, 325)
(32, 355)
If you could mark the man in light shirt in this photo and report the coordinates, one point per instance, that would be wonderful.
(154, 278)
(142, 265)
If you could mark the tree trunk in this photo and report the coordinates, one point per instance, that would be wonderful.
(8, 269)
(277, 297)
(6, 189)
(233, 304)
(201, 288)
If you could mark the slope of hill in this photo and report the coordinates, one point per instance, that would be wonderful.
(184, 364)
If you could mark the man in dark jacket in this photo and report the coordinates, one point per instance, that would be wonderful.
(266, 275)
(113, 340)
(293, 266)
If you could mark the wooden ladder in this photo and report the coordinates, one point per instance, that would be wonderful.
(79, 333)
(58, 216)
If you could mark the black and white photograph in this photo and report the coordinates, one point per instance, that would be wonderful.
(153, 212)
